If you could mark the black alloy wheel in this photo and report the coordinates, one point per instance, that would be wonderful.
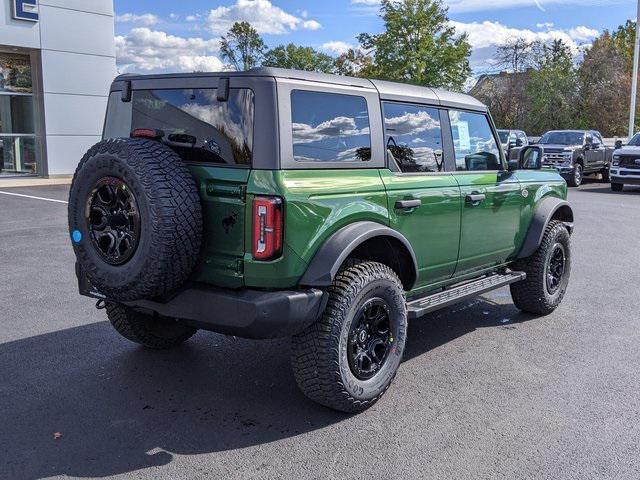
(555, 268)
(370, 339)
(113, 220)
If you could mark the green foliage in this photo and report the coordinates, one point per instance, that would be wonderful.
(242, 46)
(418, 45)
(299, 58)
(353, 62)
(605, 86)
(553, 89)
(624, 41)
(547, 89)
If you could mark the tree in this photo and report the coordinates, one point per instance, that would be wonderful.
(624, 40)
(353, 62)
(507, 96)
(605, 87)
(300, 58)
(242, 46)
(553, 90)
(419, 46)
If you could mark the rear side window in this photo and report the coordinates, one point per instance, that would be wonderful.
(475, 146)
(414, 137)
(329, 127)
(197, 125)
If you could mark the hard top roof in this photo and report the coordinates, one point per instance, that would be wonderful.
(387, 90)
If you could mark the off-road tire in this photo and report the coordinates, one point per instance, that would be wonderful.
(319, 354)
(606, 178)
(617, 187)
(532, 295)
(169, 211)
(575, 180)
(156, 332)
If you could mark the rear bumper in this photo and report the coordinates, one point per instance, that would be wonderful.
(242, 313)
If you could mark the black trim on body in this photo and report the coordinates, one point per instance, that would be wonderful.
(542, 216)
(243, 313)
(329, 258)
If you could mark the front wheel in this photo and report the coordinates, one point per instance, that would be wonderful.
(576, 178)
(617, 187)
(348, 358)
(548, 271)
(606, 178)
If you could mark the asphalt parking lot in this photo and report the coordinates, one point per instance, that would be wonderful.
(484, 391)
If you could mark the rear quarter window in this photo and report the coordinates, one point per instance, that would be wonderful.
(330, 127)
(198, 126)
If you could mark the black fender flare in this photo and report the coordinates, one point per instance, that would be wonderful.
(336, 249)
(545, 211)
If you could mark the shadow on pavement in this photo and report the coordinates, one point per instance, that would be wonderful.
(120, 408)
(593, 188)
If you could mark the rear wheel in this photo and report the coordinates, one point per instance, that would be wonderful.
(348, 358)
(617, 187)
(605, 175)
(152, 331)
(548, 271)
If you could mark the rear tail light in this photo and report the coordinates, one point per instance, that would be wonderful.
(151, 133)
(267, 228)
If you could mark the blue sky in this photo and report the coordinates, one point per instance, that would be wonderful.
(157, 36)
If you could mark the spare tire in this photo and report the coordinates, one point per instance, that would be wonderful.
(135, 219)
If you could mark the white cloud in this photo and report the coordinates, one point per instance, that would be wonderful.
(147, 19)
(486, 36)
(583, 33)
(457, 6)
(338, 126)
(265, 17)
(337, 47)
(412, 123)
(148, 50)
(311, 25)
(545, 25)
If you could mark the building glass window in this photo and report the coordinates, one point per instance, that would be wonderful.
(17, 123)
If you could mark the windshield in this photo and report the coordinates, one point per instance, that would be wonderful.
(504, 135)
(563, 138)
(635, 141)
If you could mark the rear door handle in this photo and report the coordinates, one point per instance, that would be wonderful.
(408, 204)
(476, 198)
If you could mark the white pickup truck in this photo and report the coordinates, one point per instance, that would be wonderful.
(625, 165)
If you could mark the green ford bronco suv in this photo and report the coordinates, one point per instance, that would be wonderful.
(275, 203)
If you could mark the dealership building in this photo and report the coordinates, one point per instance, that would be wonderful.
(57, 59)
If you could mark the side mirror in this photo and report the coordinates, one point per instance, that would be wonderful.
(519, 142)
(531, 158)
(618, 144)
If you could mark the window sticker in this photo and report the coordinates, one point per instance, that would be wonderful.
(463, 136)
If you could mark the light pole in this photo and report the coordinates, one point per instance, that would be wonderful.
(634, 80)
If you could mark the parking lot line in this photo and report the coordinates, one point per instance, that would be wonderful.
(35, 198)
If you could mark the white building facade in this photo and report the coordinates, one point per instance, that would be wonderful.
(57, 60)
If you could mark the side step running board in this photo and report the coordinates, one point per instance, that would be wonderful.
(423, 305)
